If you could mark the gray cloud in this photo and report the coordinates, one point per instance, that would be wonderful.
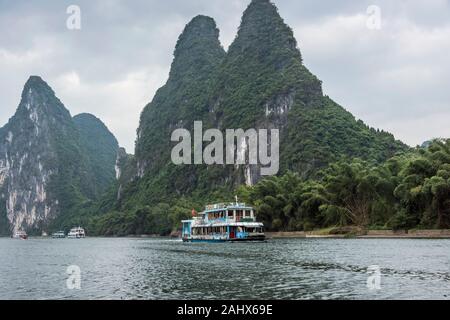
(396, 78)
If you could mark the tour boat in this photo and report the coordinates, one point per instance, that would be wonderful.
(20, 235)
(223, 223)
(58, 235)
(76, 233)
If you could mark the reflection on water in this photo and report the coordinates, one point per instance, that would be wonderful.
(278, 269)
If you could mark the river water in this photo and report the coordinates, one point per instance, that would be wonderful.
(278, 269)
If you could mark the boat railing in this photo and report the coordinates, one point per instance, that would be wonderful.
(239, 205)
(224, 205)
(215, 206)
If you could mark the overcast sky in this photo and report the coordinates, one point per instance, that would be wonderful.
(396, 78)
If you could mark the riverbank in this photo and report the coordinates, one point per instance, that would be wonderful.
(360, 234)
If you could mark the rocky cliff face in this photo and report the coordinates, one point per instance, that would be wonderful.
(28, 156)
(125, 170)
(44, 166)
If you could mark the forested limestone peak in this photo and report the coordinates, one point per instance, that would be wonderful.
(37, 90)
(36, 82)
(86, 119)
(263, 30)
(99, 146)
(197, 49)
(263, 64)
(197, 57)
(39, 99)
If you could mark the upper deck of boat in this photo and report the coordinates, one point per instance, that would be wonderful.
(224, 206)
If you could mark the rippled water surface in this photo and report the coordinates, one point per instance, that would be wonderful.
(278, 269)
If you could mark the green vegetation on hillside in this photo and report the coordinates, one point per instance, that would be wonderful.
(411, 190)
(86, 171)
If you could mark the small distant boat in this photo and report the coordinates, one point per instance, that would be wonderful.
(232, 222)
(76, 233)
(58, 235)
(20, 235)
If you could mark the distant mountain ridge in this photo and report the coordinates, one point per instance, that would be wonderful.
(49, 161)
(101, 148)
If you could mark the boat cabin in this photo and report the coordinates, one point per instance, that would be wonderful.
(224, 222)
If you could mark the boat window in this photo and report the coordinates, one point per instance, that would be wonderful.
(230, 213)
